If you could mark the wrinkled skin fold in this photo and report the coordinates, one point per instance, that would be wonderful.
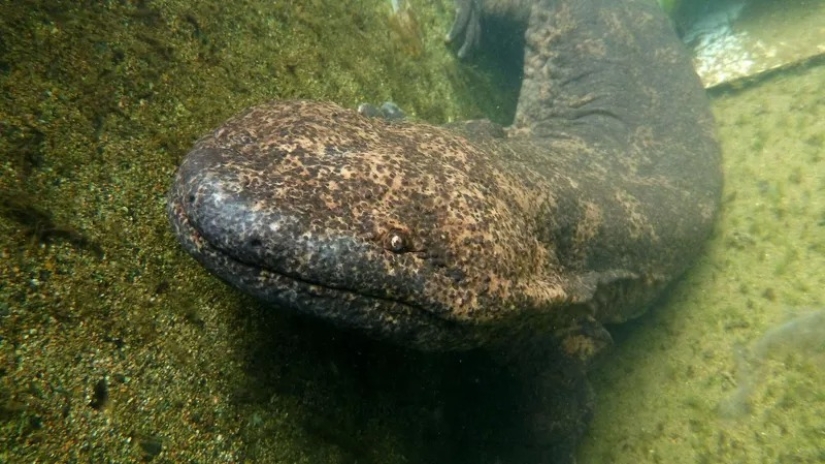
(525, 241)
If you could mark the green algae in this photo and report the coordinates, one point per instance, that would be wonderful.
(117, 347)
(100, 100)
(801, 337)
(660, 391)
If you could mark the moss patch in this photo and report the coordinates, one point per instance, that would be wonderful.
(117, 347)
(665, 395)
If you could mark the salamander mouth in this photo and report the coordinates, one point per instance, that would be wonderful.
(394, 315)
(215, 255)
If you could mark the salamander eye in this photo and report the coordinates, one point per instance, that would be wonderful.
(396, 241)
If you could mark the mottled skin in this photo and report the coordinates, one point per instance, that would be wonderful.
(524, 241)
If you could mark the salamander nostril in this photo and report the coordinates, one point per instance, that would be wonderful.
(255, 242)
(456, 274)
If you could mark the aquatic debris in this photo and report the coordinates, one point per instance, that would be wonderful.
(398, 5)
(804, 333)
(405, 28)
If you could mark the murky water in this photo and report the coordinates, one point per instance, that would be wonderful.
(725, 337)
(116, 346)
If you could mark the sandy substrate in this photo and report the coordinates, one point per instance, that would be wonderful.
(673, 390)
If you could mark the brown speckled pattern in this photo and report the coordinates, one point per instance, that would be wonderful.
(451, 238)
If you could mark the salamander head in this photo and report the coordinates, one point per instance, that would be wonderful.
(403, 231)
